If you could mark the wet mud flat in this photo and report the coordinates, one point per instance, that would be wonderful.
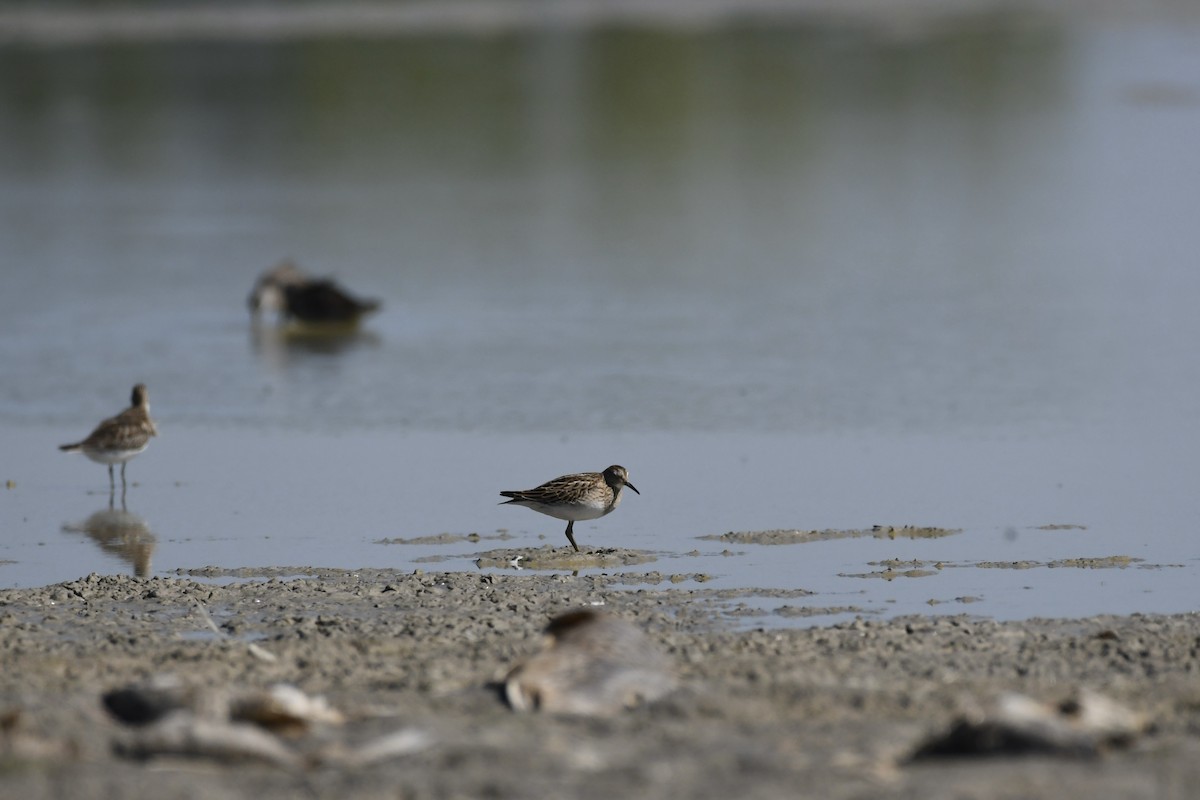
(834, 711)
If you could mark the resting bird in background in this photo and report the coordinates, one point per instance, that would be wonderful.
(119, 438)
(294, 295)
(585, 495)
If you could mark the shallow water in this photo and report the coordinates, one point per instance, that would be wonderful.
(805, 277)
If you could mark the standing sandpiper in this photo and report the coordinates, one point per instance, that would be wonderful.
(119, 438)
(585, 495)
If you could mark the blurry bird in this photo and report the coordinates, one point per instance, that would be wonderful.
(119, 438)
(294, 295)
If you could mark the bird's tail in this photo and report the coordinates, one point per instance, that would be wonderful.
(71, 448)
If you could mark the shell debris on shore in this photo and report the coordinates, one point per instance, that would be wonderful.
(592, 663)
(1085, 724)
(174, 719)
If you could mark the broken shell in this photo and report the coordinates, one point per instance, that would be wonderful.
(1084, 725)
(182, 733)
(280, 707)
(396, 744)
(18, 744)
(283, 707)
(148, 702)
(592, 663)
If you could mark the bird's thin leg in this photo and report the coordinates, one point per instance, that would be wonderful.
(111, 484)
(122, 476)
(571, 534)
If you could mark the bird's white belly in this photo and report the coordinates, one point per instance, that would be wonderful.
(111, 456)
(576, 512)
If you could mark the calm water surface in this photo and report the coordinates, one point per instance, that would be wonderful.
(804, 277)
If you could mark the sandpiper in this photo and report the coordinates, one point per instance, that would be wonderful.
(119, 438)
(293, 294)
(584, 495)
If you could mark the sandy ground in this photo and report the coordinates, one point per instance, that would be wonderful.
(821, 712)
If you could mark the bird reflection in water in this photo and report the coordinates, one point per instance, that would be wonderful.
(120, 532)
(276, 345)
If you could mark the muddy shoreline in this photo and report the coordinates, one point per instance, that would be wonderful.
(819, 712)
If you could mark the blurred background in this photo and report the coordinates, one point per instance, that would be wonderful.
(794, 264)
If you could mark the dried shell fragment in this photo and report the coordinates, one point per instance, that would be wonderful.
(148, 702)
(396, 744)
(182, 733)
(282, 708)
(231, 725)
(1083, 725)
(592, 663)
(278, 708)
(18, 744)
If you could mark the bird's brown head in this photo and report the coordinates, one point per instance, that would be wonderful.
(268, 292)
(139, 397)
(617, 476)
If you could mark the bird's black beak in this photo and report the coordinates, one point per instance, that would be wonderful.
(631, 486)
